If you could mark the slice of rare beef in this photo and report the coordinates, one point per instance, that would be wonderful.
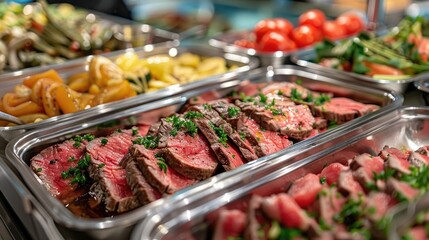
(229, 224)
(110, 184)
(51, 162)
(295, 121)
(213, 116)
(227, 153)
(156, 171)
(189, 155)
(144, 192)
(341, 109)
(263, 141)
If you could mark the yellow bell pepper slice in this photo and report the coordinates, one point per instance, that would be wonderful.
(26, 107)
(49, 104)
(65, 100)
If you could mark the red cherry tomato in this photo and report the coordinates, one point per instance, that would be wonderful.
(351, 22)
(275, 41)
(272, 24)
(306, 35)
(244, 43)
(313, 17)
(333, 31)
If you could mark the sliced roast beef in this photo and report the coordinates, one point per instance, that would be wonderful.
(253, 217)
(229, 224)
(305, 189)
(347, 184)
(398, 164)
(378, 203)
(110, 184)
(263, 141)
(281, 207)
(227, 153)
(144, 192)
(417, 159)
(156, 171)
(401, 190)
(388, 151)
(341, 110)
(189, 155)
(295, 121)
(328, 204)
(320, 123)
(287, 89)
(50, 164)
(214, 117)
(331, 173)
(365, 166)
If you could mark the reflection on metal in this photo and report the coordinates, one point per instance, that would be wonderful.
(375, 14)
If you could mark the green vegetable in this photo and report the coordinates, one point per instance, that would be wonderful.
(104, 141)
(220, 132)
(233, 111)
(149, 141)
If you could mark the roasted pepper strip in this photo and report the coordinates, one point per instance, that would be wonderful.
(49, 103)
(114, 93)
(13, 99)
(36, 92)
(51, 74)
(65, 100)
(79, 82)
(24, 108)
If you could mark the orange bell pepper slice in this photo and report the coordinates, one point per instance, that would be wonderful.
(65, 100)
(49, 103)
(114, 93)
(50, 74)
(36, 91)
(24, 108)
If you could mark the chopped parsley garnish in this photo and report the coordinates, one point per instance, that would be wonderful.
(104, 141)
(79, 173)
(299, 82)
(245, 98)
(72, 159)
(207, 106)
(263, 98)
(352, 215)
(101, 165)
(233, 155)
(79, 139)
(149, 141)
(321, 99)
(39, 169)
(233, 111)
(242, 135)
(332, 124)
(220, 132)
(193, 114)
(295, 95)
(418, 177)
(161, 163)
(135, 131)
(178, 123)
(280, 92)
(323, 180)
(384, 175)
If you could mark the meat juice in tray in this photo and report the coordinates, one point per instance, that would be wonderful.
(347, 187)
(108, 172)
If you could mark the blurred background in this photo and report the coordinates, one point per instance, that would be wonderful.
(222, 15)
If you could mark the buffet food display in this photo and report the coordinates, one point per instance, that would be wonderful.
(131, 132)
(148, 158)
(348, 187)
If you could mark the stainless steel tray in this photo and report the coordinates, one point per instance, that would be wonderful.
(225, 41)
(21, 149)
(304, 59)
(10, 80)
(187, 217)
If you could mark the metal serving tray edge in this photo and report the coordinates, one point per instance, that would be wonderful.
(304, 59)
(406, 127)
(18, 149)
(11, 79)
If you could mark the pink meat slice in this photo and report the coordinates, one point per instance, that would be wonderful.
(347, 184)
(378, 203)
(283, 208)
(267, 141)
(370, 164)
(296, 121)
(305, 189)
(166, 181)
(110, 178)
(331, 173)
(229, 224)
(52, 161)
